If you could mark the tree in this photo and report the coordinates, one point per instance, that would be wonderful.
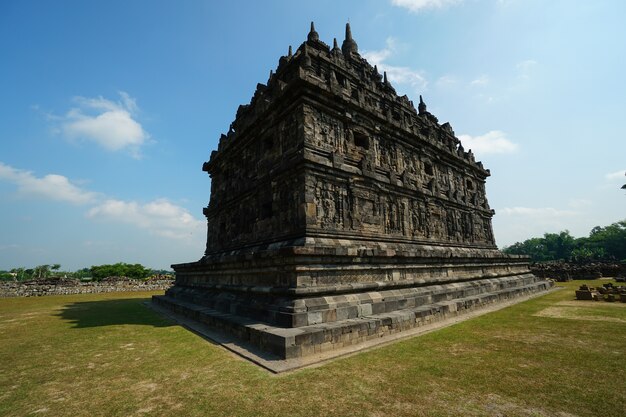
(533, 247)
(612, 239)
(550, 247)
(137, 271)
(7, 276)
(558, 246)
(41, 272)
(19, 273)
(82, 273)
(134, 271)
(603, 243)
(586, 254)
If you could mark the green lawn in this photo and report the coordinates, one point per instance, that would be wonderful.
(109, 355)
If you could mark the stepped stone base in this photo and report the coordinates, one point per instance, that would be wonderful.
(296, 322)
(341, 215)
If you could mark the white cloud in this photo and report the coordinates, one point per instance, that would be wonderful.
(493, 142)
(516, 224)
(489, 99)
(160, 217)
(51, 186)
(401, 75)
(446, 81)
(9, 246)
(482, 80)
(617, 175)
(405, 75)
(416, 6)
(526, 68)
(541, 212)
(107, 123)
(580, 203)
(377, 57)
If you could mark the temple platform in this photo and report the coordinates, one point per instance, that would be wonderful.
(280, 349)
(340, 216)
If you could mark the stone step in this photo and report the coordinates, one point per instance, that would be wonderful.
(297, 342)
(303, 311)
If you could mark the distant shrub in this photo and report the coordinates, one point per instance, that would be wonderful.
(6, 276)
(133, 271)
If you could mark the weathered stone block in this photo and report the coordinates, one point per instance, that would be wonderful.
(314, 317)
(364, 310)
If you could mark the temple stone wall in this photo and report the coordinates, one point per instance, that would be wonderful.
(334, 200)
(256, 191)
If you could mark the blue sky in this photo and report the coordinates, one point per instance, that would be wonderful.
(108, 110)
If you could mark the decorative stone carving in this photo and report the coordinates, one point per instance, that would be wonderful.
(333, 199)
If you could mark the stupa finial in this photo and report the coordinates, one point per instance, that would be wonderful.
(422, 106)
(336, 49)
(349, 45)
(313, 35)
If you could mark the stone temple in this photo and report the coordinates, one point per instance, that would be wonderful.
(340, 214)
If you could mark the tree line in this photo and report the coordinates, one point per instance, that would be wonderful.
(95, 273)
(603, 244)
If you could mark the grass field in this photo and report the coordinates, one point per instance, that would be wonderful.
(109, 355)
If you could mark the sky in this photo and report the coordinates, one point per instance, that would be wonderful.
(109, 108)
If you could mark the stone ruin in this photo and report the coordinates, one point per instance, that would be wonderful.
(340, 214)
(566, 271)
(65, 286)
(607, 292)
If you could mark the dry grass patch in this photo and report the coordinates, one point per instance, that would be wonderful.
(108, 355)
(586, 310)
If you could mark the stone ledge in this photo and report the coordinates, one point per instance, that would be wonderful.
(298, 345)
(302, 274)
(361, 247)
(345, 288)
(298, 311)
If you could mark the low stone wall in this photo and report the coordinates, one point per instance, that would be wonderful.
(566, 271)
(38, 288)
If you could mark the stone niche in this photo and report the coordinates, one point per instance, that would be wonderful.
(340, 214)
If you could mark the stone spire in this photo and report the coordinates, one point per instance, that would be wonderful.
(422, 106)
(376, 75)
(336, 49)
(349, 45)
(313, 35)
(284, 59)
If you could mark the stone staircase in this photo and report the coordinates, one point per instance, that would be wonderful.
(378, 315)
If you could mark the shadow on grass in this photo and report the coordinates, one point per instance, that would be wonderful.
(113, 312)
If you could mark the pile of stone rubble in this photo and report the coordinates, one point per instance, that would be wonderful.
(567, 271)
(36, 288)
(606, 292)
